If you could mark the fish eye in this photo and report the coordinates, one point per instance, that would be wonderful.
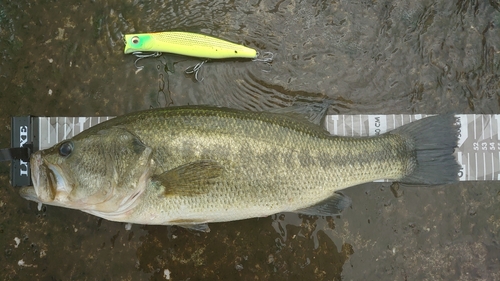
(135, 40)
(66, 148)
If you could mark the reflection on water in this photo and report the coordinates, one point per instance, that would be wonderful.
(310, 224)
(288, 246)
(65, 58)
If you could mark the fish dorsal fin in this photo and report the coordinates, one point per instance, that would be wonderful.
(332, 206)
(314, 113)
(190, 179)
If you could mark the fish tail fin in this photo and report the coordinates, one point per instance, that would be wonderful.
(434, 140)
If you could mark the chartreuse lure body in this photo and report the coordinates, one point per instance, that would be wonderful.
(188, 44)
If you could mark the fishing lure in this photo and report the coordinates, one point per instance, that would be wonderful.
(188, 44)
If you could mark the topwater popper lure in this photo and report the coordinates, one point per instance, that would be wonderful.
(188, 44)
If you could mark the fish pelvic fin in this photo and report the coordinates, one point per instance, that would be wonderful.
(433, 140)
(203, 227)
(331, 206)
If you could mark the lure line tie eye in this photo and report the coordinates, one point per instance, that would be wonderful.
(123, 39)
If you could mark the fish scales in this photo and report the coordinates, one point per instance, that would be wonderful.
(309, 164)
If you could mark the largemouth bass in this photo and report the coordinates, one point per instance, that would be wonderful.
(190, 166)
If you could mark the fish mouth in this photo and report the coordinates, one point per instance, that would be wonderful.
(29, 193)
(49, 183)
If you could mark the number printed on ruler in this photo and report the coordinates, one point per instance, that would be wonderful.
(479, 146)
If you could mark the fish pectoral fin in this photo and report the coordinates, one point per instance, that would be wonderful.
(190, 179)
(198, 227)
(332, 206)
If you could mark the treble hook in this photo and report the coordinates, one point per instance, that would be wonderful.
(143, 55)
(195, 69)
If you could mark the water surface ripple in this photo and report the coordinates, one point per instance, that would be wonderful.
(65, 58)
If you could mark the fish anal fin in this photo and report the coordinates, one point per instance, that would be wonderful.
(190, 179)
(331, 206)
(202, 227)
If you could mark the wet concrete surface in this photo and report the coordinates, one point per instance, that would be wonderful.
(65, 58)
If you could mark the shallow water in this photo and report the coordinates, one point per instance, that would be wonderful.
(65, 58)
